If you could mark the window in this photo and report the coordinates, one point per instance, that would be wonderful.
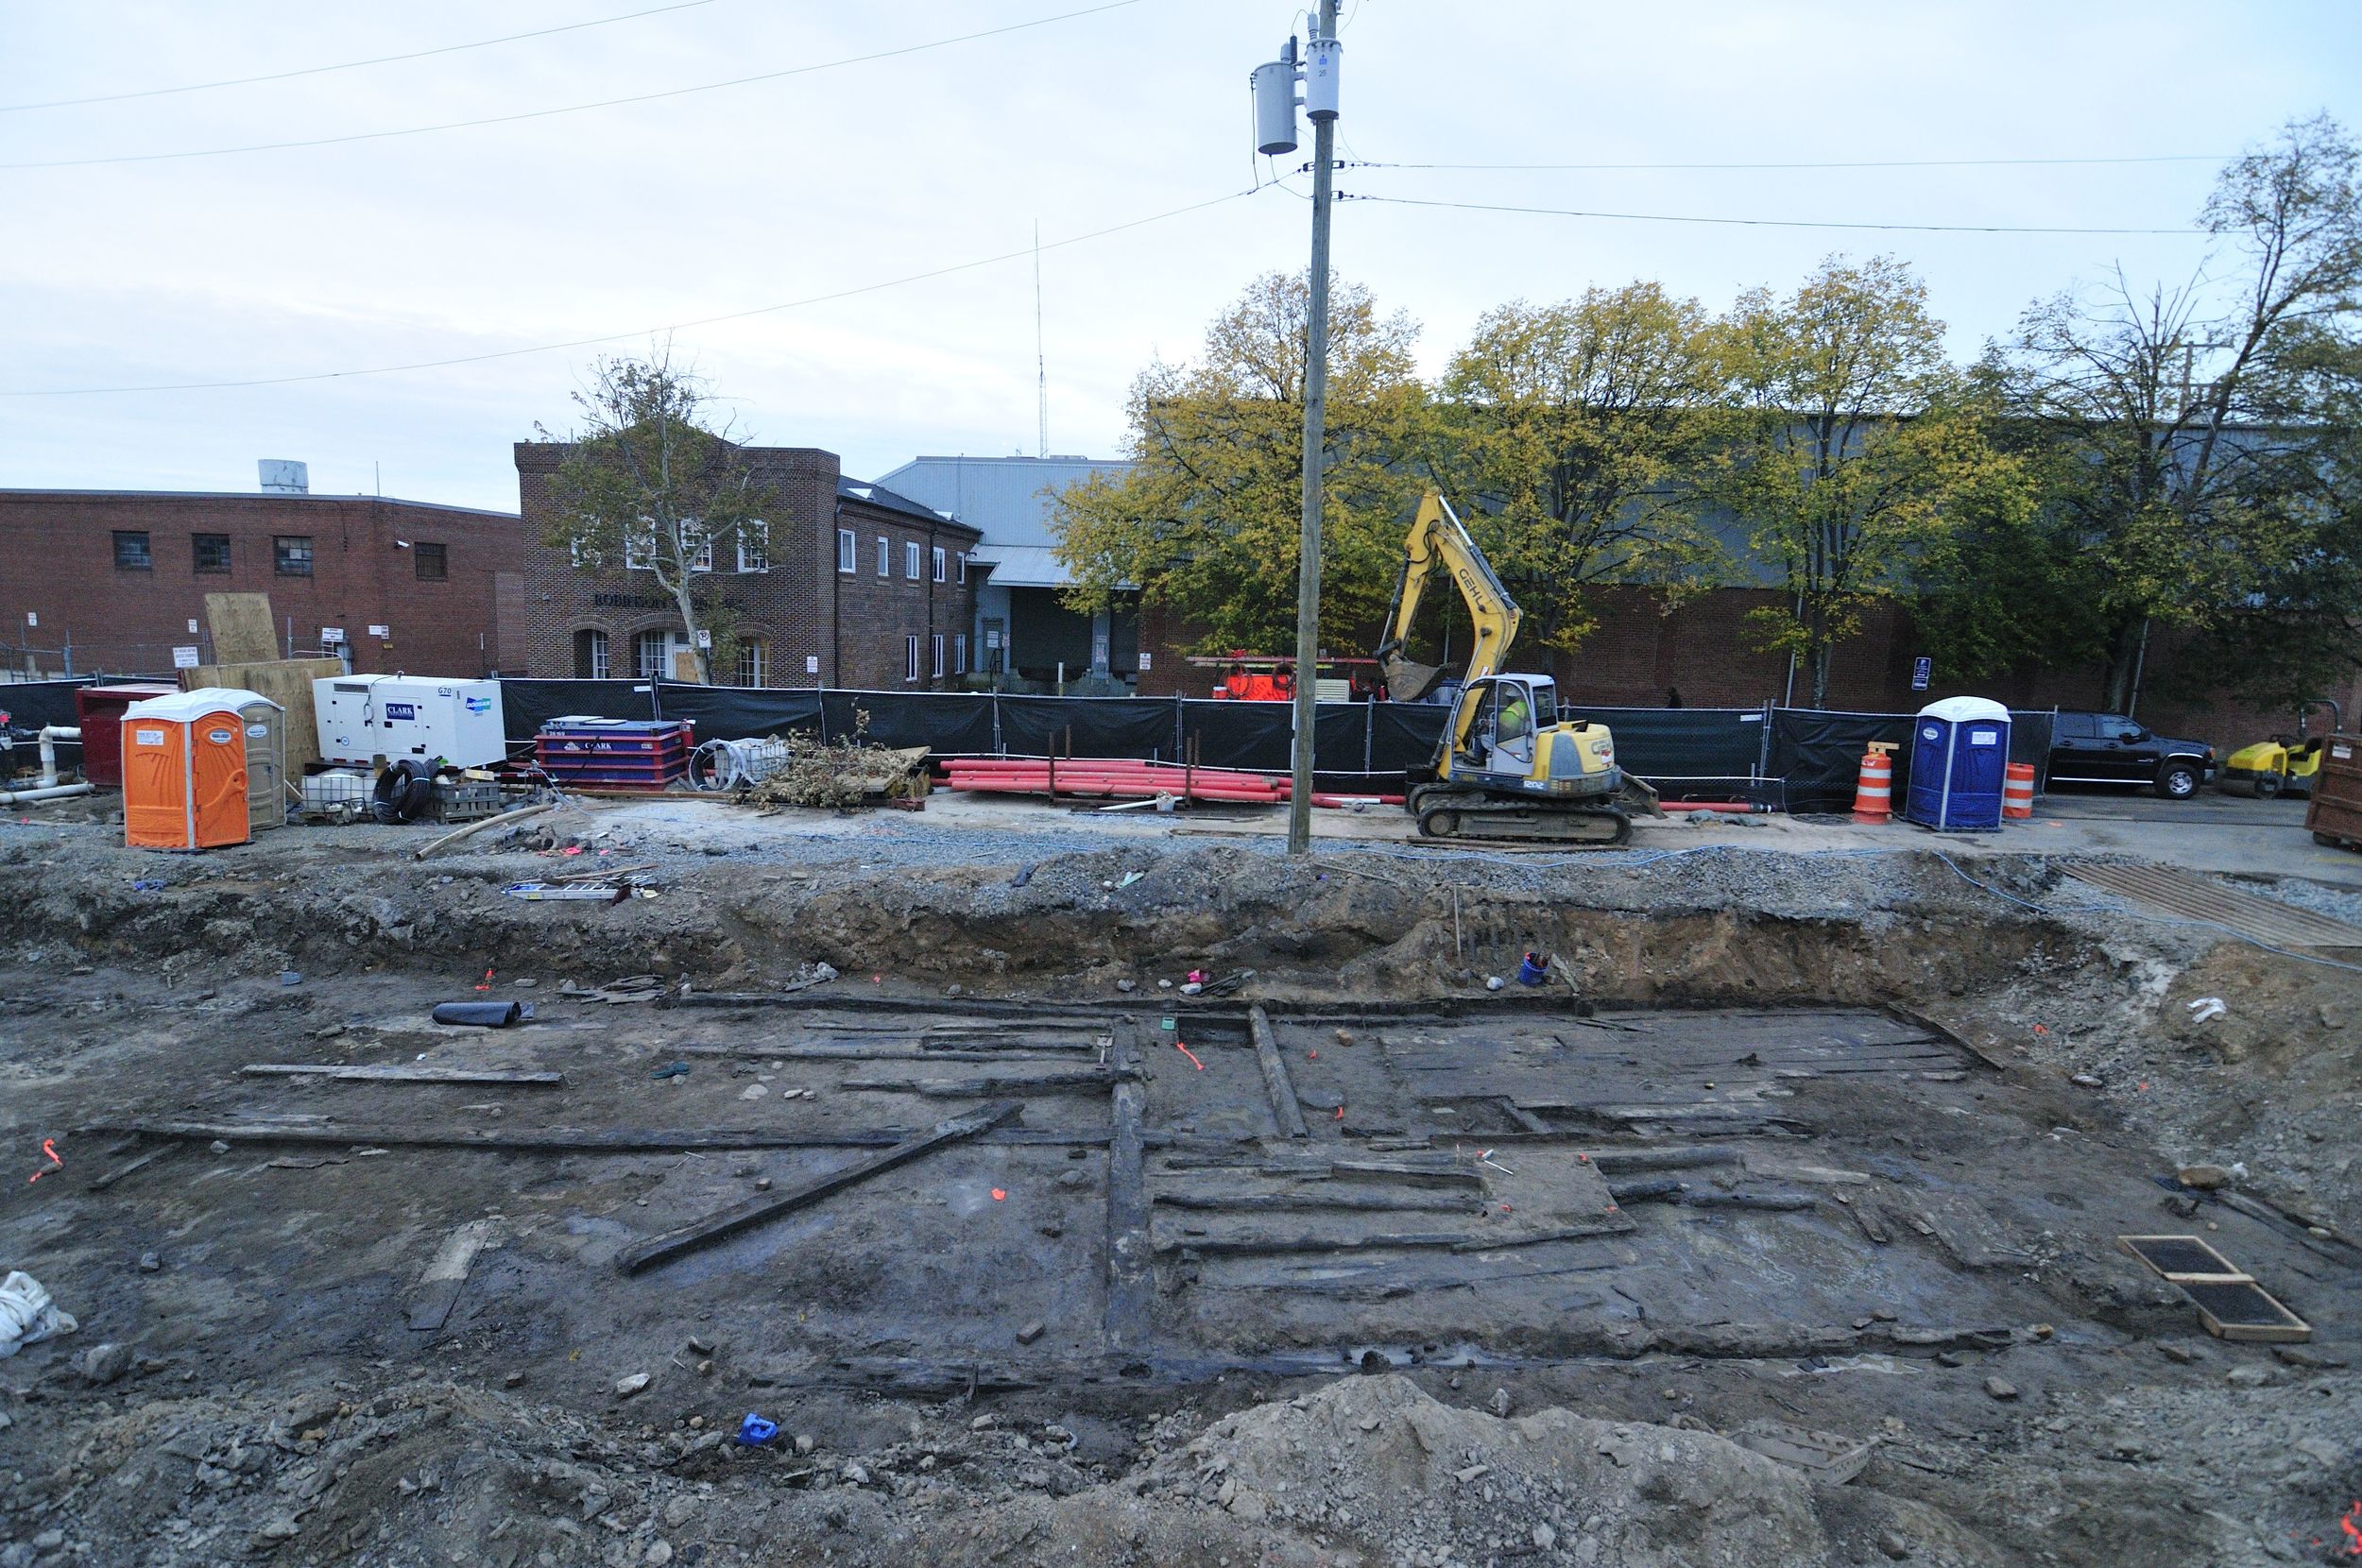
(939, 563)
(754, 550)
(591, 655)
(639, 546)
(910, 658)
(938, 652)
(963, 568)
(208, 552)
(958, 654)
(291, 555)
(885, 557)
(845, 549)
(754, 662)
(132, 550)
(431, 561)
(694, 531)
(910, 559)
(652, 655)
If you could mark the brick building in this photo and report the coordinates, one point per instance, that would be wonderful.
(857, 586)
(111, 581)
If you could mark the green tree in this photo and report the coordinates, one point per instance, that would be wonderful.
(651, 484)
(1849, 448)
(2201, 430)
(1207, 520)
(1571, 430)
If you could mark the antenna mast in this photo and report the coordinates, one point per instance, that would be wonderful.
(1041, 361)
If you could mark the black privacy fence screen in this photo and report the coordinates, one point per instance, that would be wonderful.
(1798, 759)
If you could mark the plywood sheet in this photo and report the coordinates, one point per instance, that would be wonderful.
(244, 631)
(284, 681)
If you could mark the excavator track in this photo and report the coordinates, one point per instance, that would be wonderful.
(1467, 816)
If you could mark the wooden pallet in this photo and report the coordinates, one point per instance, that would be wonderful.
(2192, 896)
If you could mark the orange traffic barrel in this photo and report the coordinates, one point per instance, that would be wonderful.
(1873, 792)
(184, 770)
(2018, 791)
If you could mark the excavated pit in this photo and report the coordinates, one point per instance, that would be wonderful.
(1791, 1144)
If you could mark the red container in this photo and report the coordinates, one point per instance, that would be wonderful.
(99, 710)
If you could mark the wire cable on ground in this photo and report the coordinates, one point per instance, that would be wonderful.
(574, 108)
(1767, 223)
(1025, 251)
(353, 64)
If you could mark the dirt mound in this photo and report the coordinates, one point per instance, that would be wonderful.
(1373, 1471)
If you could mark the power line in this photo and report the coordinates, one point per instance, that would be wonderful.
(1861, 163)
(576, 108)
(644, 333)
(1766, 223)
(351, 65)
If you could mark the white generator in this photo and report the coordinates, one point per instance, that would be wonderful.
(415, 717)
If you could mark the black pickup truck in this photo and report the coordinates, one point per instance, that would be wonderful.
(2109, 748)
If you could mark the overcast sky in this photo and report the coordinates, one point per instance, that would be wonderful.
(617, 220)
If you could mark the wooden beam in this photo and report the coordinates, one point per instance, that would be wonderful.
(565, 1140)
(1090, 1080)
(402, 1074)
(1276, 1083)
(729, 1221)
(1131, 1262)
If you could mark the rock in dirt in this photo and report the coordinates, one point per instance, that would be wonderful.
(1031, 1332)
(627, 1387)
(150, 1263)
(2206, 1177)
(103, 1364)
(1893, 1546)
(2000, 1388)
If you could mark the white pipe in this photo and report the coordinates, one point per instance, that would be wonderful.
(50, 736)
(56, 791)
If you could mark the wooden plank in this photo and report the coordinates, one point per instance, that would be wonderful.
(2193, 896)
(1276, 1083)
(402, 1074)
(1265, 1203)
(437, 1290)
(728, 1223)
(1131, 1261)
(1094, 1081)
(567, 1140)
(829, 1051)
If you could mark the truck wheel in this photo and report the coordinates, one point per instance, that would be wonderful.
(2177, 781)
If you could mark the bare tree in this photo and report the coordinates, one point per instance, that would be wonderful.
(651, 484)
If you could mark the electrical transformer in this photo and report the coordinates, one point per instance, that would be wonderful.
(417, 717)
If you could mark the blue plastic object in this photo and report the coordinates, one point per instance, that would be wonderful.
(755, 1431)
(1529, 971)
(1960, 761)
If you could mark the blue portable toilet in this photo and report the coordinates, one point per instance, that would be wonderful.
(1960, 760)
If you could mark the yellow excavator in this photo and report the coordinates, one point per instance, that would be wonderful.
(1507, 766)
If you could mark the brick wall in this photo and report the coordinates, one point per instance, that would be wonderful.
(814, 623)
(58, 562)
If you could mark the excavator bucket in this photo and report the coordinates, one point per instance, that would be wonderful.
(1406, 682)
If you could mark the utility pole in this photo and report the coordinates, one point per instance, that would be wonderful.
(1275, 119)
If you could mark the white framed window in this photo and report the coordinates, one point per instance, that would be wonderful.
(591, 655)
(845, 548)
(754, 545)
(639, 546)
(959, 653)
(938, 652)
(963, 569)
(754, 663)
(652, 655)
(885, 557)
(910, 559)
(701, 559)
(939, 563)
(910, 657)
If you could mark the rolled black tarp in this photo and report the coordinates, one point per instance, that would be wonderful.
(480, 1015)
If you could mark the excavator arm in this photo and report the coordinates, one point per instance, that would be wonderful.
(1438, 538)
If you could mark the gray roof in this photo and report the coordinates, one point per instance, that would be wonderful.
(1006, 497)
(290, 497)
(885, 500)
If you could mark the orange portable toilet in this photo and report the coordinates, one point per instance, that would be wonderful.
(184, 770)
